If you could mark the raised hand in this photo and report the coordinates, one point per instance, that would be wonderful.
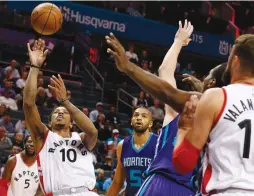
(37, 55)
(59, 90)
(187, 116)
(184, 32)
(118, 52)
(195, 83)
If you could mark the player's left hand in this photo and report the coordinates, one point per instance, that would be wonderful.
(59, 90)
(187, 116)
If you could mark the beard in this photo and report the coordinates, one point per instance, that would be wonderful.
(140, 129)
(29, 153)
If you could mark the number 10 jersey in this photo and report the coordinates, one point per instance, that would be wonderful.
(229, 160)
(65, 163)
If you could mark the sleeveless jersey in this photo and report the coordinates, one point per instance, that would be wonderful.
(136, 162)
(65, 163)
(229, 159)
(162, 163)
(24, 179)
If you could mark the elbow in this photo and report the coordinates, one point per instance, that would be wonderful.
(185, 157)
(28, 104)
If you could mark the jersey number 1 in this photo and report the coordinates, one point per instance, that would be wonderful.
(246, 148)
(68, 154)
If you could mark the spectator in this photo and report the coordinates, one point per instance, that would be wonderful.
(188, 70)
(157, 112)
(93, 114)
(96, 188)
(85, 111)
(100, 178)
(132, 11)
(8, 101)
(5, 142)
(41, 97)
(15, 150)
(3, 110)
(108, 181)
(100, 121)
(104, 134)
(18, 140)
(8, 87)
(14, 71)
(8, 76)
(112, 116)
(40, 74)
(21, 82)
(144, 58)
(140, 101)
(24, 130)
(19, 99)
(112, 143)
(156, 128)
(133, 57)
(5, 121)
(40, 82)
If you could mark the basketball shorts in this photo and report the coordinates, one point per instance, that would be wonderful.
(158, 185)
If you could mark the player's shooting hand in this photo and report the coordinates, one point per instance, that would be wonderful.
(118, 52)
(37, 54)
(59, 90)
(184, 32)
(187, 116)
(195, 83)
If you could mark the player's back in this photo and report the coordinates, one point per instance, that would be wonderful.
(162, 163)
(65, 163)
(24, 179)
(228, 163)
(136, 161)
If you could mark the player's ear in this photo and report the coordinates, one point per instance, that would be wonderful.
(151, 124)
(49, 125)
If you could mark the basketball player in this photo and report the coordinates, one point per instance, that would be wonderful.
(64, 159)
(162, 163)
(20, 176)
(223, 120)
(134, 154)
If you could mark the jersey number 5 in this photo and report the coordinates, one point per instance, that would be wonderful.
(70, 154)
(27, 183)
(135, 178)
(246, 148)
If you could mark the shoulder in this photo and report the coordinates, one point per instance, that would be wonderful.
(11, 162)
(120, 147)
(212, 96)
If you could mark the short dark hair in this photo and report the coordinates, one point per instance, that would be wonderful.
(244, 49)
(218, 74)
(26, 138)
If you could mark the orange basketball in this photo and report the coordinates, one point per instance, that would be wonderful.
(46, 18)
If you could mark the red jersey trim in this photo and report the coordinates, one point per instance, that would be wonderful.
(222, 108)
(44, 140)
(40, 173)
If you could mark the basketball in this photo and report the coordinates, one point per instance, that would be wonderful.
(46, 18)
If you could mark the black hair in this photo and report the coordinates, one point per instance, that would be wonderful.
(26, 138)
(218, 74)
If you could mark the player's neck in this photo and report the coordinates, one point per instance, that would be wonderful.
(141, 138)
(63, 132)
(27, 159)
(242, 80)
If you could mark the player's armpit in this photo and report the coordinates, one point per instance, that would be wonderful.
(120, 175)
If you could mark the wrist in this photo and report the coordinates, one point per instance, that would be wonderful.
(129, 68)
(179, 42)
(64, 101)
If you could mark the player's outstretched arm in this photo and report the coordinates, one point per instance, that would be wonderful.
(150, 83)
(195, 128)
(82, 121)
(37, 128)
(120, 175)
(6, 177)
(168, 66)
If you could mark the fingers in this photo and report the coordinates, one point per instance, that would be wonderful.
(185, 24)
(35, 46)
(45, 53)
(60, 79)
(28, 47)
(187, 75)
(111, 43)
(112, 52)
(180, 25)
(56, 82)
(52, 88)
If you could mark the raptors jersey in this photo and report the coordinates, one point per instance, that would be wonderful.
(65, 163)
(229, 159)
(24, 179)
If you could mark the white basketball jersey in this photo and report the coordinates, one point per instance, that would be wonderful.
(229, 160)
(24, 179)
(65, 163)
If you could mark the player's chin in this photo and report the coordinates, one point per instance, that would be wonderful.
(139, 129)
